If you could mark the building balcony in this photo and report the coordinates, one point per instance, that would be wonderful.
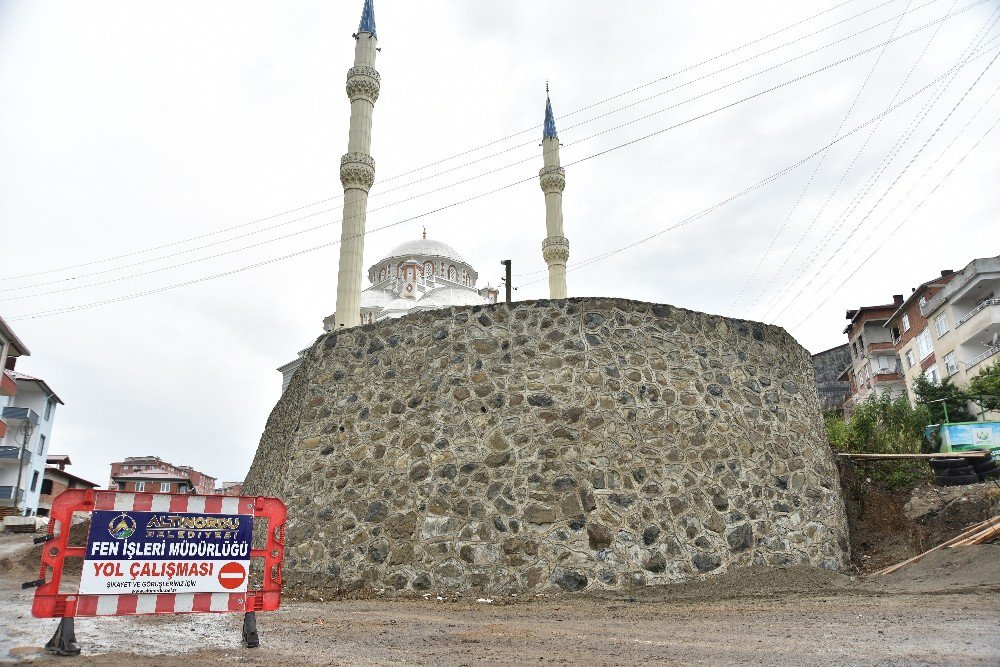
(887, 345)
(7, 384)
(984, 316)
(12, 415)
(9, 454)
(983, 356)
(887, 377)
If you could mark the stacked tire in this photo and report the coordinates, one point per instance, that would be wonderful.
(958, 471)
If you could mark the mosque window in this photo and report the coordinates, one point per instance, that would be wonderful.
(452, 273)
(381, 275)
(428, 269)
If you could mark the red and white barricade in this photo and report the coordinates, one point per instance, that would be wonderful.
(50, 603)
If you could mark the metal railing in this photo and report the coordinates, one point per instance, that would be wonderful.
(985, 304)
(982, 357)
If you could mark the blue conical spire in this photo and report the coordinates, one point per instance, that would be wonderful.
(550, 119)
(368, 18)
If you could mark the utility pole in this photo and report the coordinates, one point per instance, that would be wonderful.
(506, 263)
(25, 430)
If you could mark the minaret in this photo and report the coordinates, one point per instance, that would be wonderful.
(555, 248)
(357, 170)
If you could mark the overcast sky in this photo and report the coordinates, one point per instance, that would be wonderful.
(127, 126)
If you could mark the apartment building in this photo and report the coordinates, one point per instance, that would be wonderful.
(11, 348)
(151, 474)
(29, 414)
(874, 367)
(911, 334)
(964, 321)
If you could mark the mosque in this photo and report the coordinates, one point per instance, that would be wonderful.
(422, 274)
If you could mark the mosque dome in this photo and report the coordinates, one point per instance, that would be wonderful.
(424, 248)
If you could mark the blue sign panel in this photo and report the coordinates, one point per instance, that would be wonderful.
(166, 552)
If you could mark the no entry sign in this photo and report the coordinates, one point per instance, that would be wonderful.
(233, 576)
(166, 552)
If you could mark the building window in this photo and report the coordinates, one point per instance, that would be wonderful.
(941, 324)
(906, 323)
(41, 445)
(950, 363)
(140, 486)
(933, 375)
(909, 358)
(46, 487)
(924, 346)
(34, 480)
(922, 302)
(164, 487)
(48, 408)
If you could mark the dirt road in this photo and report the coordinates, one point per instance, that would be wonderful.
(944, 611)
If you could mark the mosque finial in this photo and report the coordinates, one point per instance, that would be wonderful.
(425, 232)
(368, 18)
(550, 119)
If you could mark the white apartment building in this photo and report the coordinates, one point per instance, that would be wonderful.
(964, 322)
(29, 415)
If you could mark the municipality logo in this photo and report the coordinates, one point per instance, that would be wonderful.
(122, 527)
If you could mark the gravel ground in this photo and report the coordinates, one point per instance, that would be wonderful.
(942, 611)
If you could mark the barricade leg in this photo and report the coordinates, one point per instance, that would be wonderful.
(63, 642)
(250, 637)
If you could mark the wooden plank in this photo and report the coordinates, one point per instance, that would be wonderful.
(977, 454)
(958, 538)
(981, 536)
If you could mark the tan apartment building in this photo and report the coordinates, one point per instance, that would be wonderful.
(874, 367)
(911, 335)
(964, 321)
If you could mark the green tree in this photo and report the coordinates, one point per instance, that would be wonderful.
(936, 396)
(987, 383)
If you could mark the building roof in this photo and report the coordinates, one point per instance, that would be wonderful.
(918, 291)
(8, 333)
(853, 315)
(368, 18)
(550, 120)
(423, 248)
(51, 471)
(152, 473)
(24, 377)
(58, 458)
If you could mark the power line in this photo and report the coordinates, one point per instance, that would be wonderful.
(905, 219)
(850, 167)
(759, 184)
(866, 187)
(822, 160)
(885, 193)
(254, 265)
(300, 208)
(490, 172)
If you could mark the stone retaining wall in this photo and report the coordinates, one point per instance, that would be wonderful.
(576, 444)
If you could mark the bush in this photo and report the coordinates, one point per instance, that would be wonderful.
(884, 425)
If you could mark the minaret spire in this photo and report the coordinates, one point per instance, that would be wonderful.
(368, 18)
(357, 170)
(552, 177)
